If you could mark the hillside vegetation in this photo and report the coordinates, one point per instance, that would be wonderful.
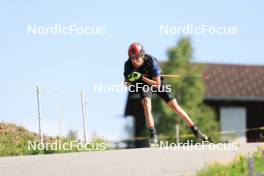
(14, 141)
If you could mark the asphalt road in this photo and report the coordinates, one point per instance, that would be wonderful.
(126, 162)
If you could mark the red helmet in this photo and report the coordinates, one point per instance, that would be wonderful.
(135, 50)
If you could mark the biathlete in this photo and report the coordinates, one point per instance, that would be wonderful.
(143, 72)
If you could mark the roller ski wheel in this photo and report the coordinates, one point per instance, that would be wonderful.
(153, 141)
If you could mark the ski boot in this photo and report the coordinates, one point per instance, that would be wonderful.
(201, 136)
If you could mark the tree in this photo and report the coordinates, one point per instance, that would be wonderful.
(72, 135)
(189, 93)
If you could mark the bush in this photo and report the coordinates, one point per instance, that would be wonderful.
(14, 141)
(239, 166)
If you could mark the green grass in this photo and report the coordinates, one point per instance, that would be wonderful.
(14, 141)
(239, 166)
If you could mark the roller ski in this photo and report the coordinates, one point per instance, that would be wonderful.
(153, 141)
(201, 136)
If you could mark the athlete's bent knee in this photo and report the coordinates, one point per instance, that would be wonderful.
(174, 105)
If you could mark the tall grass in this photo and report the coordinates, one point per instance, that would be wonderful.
(14, 141)
(239, 166)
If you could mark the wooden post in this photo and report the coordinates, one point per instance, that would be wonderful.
(61, 121)
(177, 133)
(85, 113)
(84, 119)
(39, 116)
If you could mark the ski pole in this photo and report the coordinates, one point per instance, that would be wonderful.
(206, 77)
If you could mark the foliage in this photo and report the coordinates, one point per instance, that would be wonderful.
(189, 93)
(239, 166)
(14, 140)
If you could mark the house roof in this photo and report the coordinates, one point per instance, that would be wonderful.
(234, 82)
